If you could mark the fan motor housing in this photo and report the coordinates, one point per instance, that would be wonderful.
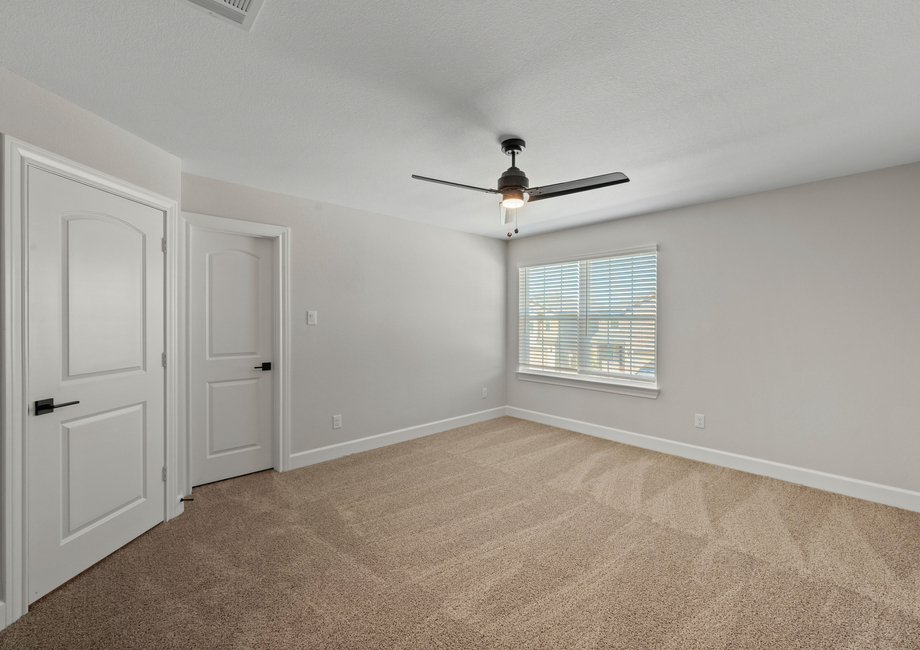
(513, 178)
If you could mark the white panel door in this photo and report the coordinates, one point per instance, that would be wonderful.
(96, 333)
(231, 315)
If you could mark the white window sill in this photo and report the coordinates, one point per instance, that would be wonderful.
(621, 386)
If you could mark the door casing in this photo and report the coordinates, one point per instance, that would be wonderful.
(18, 157)
(281, 326)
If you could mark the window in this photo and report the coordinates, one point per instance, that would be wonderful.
(591, 320)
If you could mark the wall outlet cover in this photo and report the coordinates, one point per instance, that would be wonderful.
(699, 421)
(336, 421)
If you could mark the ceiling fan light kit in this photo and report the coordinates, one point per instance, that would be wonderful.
(514, 186)
(513, 198)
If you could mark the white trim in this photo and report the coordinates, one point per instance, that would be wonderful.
(17, 156)
(851, 487)
(652, 248)
(588, 382)
(313, 456)
(174, 506)
(11, 405)
(281, 243)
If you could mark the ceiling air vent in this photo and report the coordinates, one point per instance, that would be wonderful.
(241, 13)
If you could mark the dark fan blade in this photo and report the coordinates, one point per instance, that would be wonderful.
(466, 187)
(581, 185)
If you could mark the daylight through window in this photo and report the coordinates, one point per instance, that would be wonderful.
(593, 317)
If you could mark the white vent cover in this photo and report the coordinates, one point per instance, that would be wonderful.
(241, 13)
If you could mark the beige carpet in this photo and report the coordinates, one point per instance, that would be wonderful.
(504, 534)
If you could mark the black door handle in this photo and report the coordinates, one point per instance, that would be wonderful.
(266, 365)
(43, 406)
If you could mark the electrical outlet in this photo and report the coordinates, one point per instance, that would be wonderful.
(485, 393)
(336, 421)
(311, 318)
(699, 421)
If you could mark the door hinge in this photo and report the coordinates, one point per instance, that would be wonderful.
(164, 473)
(163, 359)
(164, 244)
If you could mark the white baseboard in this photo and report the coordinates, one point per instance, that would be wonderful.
(851, 487)
(313, 456)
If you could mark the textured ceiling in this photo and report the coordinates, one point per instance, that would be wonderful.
(343, 101)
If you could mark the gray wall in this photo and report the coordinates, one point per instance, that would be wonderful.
(411, 317)
(44, 120)
(789, 318)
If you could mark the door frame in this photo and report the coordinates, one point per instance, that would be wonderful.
(280, 237)
(18, 157)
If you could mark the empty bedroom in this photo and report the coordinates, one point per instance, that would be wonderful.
(475, 325)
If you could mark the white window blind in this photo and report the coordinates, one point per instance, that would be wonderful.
(595, 317)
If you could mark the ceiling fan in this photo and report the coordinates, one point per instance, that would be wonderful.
(513, 185)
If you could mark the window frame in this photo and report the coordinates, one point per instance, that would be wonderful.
(577, 379)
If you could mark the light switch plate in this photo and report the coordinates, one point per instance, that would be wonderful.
(311, 318)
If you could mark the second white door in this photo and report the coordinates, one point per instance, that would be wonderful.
(231, 345)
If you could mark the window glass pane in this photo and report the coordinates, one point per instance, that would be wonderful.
(549, 325)
(621, 303)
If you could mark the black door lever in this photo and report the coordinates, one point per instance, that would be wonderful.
(266, 365)
(43, 406)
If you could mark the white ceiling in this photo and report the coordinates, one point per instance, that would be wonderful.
(341, 101)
